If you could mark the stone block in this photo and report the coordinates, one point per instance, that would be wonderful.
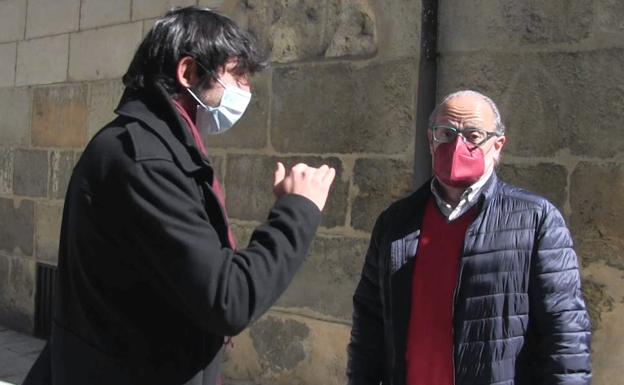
(591, 102)
(96, 13)
(48, 217)
(400, 35)
(61, 168)
(46, 19)
(15, 109)
(595, 193)
(338, 108)
(546, 179)
(32, 70)
(30, 173)
(12, 20)
(6, 171)
(60, 116)
(116, 47)
(282, 349)
(252, 199)
(7, 64)
(242, 233)
(251, 131)
(328, 278)
(507, 24)
(609, 15)
(148, 24)
(17, 301)
(17, 239)
(378, 183)
(145, 9)
(212, 4)
(104, 97)
(311, 29)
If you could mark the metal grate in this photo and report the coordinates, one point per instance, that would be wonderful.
(46, 278)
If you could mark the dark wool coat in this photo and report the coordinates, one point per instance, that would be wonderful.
(519, 316)
(147, 283)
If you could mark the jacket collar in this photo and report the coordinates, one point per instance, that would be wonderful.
(153, 107)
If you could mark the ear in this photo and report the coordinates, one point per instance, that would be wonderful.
(186, 72)
(500, 143)
(430, 139)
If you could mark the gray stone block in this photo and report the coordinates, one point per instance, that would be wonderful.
(251, 131)
(61, 167)
(328, 277)
(6, 171)
(337, 108)
(97, 13)
(379, 182)
(595, 193)
(17, 302)
(32, 70)
(44, 19)
(608, 15)
(145, 9)
(12, 20)
(7, 64)
(17, 239)
(546, 179)
(104, 97)
(15, 109)
(30, 173)
(252, 199)
(48, 217)
(281, 344)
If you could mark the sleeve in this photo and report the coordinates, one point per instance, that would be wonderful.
(366, 349)
(222, 290)
(562, 328)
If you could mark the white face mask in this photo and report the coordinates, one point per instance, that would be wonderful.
(217, 120)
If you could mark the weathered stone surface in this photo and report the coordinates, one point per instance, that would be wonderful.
(104, 97)
(48, 218)
(597, 215)
(487, 24)
(328, 277)
(399, 28)
(7, 64)
(60, 116)
(212, 4)
(546, 179)
(43, 19)
(379, 182)
(12, 20)
(116, 46)
(340, 108)
(262, 355)
(608, 335)
(6, 171)
(609, 15)
(251, 131)
(17, 300)
(61, 167)
(145, 9)
(249, 187)
(311, 29)
(242, 233)
(32, 70)
(15, 108)
(17, 239)
(591, 99)
(30, 173)
(280, 343)
(96, 13)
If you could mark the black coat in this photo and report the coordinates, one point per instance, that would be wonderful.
(148, 285)
(519, 316)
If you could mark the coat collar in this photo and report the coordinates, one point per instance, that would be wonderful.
(153, 107)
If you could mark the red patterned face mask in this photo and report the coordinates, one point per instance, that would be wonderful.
(456, 165)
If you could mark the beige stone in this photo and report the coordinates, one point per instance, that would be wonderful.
(146, 9)
(399, 28)
(7, 64)
(31, 69)
(60, 116)
(12, 20)
(104, 97)
(17, 303)
(46, 19)
(115, 48)
(6, 171)
(15, 109)
(96, 13)
(47, 229)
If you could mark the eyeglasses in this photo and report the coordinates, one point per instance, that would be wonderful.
(476, 136)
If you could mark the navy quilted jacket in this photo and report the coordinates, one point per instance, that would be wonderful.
(519, 315)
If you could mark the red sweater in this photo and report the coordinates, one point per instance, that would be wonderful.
(429, 353)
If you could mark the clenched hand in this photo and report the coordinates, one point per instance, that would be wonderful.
(312, 183)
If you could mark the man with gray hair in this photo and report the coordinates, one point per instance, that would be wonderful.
(469, 280)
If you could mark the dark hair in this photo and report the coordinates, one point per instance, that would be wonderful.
(210, 38)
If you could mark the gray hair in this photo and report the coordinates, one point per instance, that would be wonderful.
(498, 122)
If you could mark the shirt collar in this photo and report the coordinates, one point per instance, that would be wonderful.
(468, 198)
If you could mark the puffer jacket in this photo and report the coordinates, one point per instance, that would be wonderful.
(519, 316)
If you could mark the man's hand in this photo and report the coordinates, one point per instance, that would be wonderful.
(312, 183)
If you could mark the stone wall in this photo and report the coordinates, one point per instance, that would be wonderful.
(341, 90)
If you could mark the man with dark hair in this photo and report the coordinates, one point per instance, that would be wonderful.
(469, 280)
(149, 280)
